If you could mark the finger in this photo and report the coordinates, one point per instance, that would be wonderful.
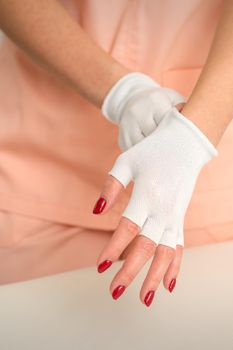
(148, 125)
(125, 232)
(173, 269)
(141, 252)
(162, 259)
(129, 136)
(168, 98)
(136, 135)
(127, 250)
(118, 178)
(108, 196)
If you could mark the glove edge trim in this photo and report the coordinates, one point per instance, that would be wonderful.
(212, 150)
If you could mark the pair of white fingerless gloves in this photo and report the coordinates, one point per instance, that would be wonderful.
(163, 153)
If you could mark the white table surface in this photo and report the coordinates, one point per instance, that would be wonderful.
(75, 310)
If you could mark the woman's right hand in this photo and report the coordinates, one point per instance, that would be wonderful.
(137, 104)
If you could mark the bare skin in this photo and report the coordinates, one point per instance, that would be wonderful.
(41, 28)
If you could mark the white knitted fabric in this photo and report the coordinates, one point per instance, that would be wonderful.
(164, 167)
(137, 103)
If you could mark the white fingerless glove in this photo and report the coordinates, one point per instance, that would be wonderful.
(164, 167)
(137, 103)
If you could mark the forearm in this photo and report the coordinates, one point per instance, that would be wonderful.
(210, 105)
(45, 31)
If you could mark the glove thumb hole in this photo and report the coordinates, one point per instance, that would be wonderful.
(121, 170)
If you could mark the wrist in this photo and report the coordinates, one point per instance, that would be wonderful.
(116, 72)
(199, 135)
(203, 120)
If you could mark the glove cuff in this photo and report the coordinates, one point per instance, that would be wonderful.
(210, 148)
(174, 96)
(122, 91)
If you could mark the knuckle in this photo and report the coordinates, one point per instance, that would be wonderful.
(179, 248)
(132, 228)
(175, 269)
(116, 253)
(167, 252)
(148, 247)
(128, 276)
(155, 280)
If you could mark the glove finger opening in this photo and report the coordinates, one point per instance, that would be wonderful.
(153, 229)
(121, 170)
(169, 237)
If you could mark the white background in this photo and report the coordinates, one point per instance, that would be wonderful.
(75, 310)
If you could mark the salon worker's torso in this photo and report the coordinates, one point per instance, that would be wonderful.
(56, 148)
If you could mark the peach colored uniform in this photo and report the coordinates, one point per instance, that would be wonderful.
(56, 148)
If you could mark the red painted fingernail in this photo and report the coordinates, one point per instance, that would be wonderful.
(172, 285)
(149, 297)
(118, 291)
(99, 206)
(104, 265)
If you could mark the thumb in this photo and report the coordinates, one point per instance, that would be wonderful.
(108, 196)
(117, 179)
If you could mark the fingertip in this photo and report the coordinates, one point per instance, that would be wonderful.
(99, 205)
(172, 285)
(108, 196)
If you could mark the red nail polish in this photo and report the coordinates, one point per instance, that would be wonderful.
(172, 285)
(118, 291)
(104, 265)
(99, 206)
(149, 297)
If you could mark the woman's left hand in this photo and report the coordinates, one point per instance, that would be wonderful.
(136, 250)
(164, 167)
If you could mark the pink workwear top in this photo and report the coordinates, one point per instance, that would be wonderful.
(56, 147)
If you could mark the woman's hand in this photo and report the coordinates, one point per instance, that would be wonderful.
(164, 166)
(137, 104)
(126, 239)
